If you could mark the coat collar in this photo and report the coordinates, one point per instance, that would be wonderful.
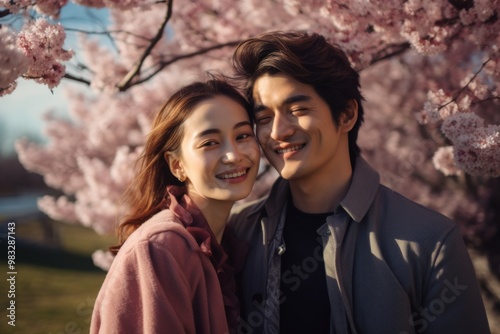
(364, 185)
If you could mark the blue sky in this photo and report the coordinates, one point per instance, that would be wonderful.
(21, 113)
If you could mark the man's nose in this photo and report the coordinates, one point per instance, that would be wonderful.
(281, 128)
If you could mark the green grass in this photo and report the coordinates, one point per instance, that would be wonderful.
(55, 288)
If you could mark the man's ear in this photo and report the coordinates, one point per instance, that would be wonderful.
(349, 117)
(175, 165)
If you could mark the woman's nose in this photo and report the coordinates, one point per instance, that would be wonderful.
(232, 155)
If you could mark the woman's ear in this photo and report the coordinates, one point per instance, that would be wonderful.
(349, 117)
(175, 165)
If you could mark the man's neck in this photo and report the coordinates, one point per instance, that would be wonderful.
(320, 193)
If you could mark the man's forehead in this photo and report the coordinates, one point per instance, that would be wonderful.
(279, 89)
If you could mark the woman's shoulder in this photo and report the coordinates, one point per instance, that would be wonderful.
(164, 231)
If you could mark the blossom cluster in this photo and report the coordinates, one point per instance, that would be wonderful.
(50, 7)
(15, 6)
(42, 43)
(116, 4)
(476, 145)
(13, 63)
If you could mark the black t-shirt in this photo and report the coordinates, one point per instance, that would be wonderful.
(304, 302)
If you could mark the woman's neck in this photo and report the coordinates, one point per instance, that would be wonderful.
(215, 212)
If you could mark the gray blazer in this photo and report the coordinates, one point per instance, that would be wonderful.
(392, 266)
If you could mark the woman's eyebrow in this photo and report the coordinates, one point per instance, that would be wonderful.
(242, 123)
(216, 131)
(207, 132)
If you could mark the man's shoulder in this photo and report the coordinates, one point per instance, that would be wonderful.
(241, 212)
(402, 212)
(248, 207)
(397, 208)
(397, 200)
(245, 216)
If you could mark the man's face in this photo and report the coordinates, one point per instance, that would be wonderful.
(296, 130)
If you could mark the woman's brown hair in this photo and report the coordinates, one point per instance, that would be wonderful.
(148, 188)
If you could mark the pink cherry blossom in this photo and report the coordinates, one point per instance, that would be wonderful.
(13, 63)
(443, 160)
(42, 43)
(103, 259)
(50, 7)
(15, 6)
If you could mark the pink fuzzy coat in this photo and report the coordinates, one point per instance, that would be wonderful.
(167, 278)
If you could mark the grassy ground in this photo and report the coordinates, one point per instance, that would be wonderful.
(55, 288)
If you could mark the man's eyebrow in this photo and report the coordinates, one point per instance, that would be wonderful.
(289, 100)
(258, 107)
(297, 98)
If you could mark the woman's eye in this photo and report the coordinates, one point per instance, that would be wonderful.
(209, 143)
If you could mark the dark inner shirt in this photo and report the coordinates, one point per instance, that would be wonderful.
(305, 306)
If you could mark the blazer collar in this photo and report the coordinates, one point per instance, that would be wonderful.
(364, 186)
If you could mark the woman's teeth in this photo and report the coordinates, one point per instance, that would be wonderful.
(232, 175)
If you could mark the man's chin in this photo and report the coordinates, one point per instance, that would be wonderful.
(288, 173)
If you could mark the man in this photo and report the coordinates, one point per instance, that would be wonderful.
(331, 250)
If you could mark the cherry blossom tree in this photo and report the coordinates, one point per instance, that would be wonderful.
(430, 72)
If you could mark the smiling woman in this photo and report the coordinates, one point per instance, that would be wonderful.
(171, 273)
(217, 154)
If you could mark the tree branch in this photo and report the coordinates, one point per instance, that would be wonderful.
(72, 77)
(390, 51)
(4, 13)
(164, 64)
(126, 82)
(462, 4)
(454, 99)
(107, 32)
(160, 65)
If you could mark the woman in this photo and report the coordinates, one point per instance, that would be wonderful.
(170, 274)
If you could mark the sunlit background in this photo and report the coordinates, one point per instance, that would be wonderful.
(56, 281)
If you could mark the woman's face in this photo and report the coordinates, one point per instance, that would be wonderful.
(219, 155)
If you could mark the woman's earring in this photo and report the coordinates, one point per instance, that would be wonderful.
(181, 179)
